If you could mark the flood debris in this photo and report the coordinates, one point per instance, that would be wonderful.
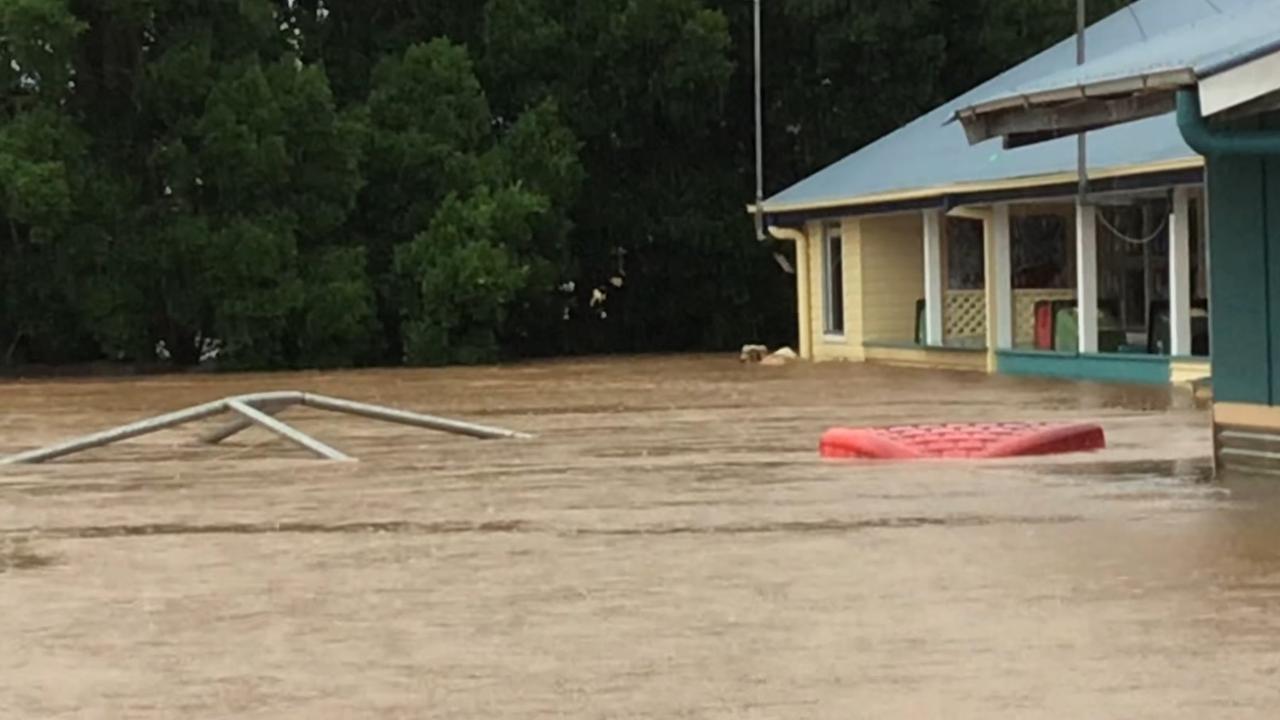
(785, 356)
(760, 355)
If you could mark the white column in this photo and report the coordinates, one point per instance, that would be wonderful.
(1002, 277)
(1180, 274)
(1087, 276)
(1148, 282)
(935, 295)
(804, 294)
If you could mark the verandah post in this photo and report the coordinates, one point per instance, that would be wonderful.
(935, 295)
(1087, 277)
(1180, 341)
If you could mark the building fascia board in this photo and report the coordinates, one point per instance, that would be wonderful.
(1239, 85)
(939, 193)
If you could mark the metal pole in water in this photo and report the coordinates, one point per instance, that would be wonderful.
(235, 427)
(124, 432)
(375, 412)
(1082, 142)
(287, 432)
(257, 409)
(760, 234)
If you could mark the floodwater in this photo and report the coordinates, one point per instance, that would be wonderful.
(670, 546)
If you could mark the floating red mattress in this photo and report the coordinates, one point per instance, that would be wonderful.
(986, 440)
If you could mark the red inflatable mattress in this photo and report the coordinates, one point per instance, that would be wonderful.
(968, 441)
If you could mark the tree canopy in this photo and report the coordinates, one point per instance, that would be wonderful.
(307, 183)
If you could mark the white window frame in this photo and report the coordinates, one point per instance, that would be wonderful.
(832, 236)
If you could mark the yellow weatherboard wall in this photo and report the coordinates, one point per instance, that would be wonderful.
(883, 279)
(892, 276)
(929, 358)
(826, 346)
(883, 261)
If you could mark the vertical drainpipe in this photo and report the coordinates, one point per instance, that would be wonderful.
(804, 302)
(1213, 143)
(1216, 143)
(1086, 237)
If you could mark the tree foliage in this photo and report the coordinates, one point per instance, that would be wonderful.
(311, 183)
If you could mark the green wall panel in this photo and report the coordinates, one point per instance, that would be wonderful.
(1240, 269)
(1269, 198)
(1136, 369)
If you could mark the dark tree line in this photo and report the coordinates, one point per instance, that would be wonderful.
(293, 183)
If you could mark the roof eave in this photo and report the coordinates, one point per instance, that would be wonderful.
(906, 197)
(1077, 108)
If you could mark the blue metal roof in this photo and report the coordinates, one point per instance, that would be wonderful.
(1205, 47)
(932, 154)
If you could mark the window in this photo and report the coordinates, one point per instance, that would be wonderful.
(966, 256)
(833, 280)
(1041, 251)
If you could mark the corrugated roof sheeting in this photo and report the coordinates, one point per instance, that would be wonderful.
(932, 152)
(1203, 47)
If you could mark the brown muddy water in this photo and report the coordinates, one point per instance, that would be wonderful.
(670, 546)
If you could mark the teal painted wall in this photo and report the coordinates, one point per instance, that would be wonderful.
(1269, 194)
(1239, 262)
(1136, 369)
(1244, 220)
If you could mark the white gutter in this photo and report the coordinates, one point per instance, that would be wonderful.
(1165, 80)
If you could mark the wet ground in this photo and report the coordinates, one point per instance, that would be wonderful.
(668, 547)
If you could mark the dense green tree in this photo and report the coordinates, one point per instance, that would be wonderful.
(313, 183)
(461, 274)
(663, 262)
(215, 160)
(464, 204)
(41, 150)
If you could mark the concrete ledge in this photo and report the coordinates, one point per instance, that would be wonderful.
(933, 358)
(1187, 371)
(1246, 438)
(1241, 415)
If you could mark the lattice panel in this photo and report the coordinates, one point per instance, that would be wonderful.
(966, 314)
(1024, 311)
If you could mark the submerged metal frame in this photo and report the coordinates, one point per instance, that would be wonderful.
(260, 409)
